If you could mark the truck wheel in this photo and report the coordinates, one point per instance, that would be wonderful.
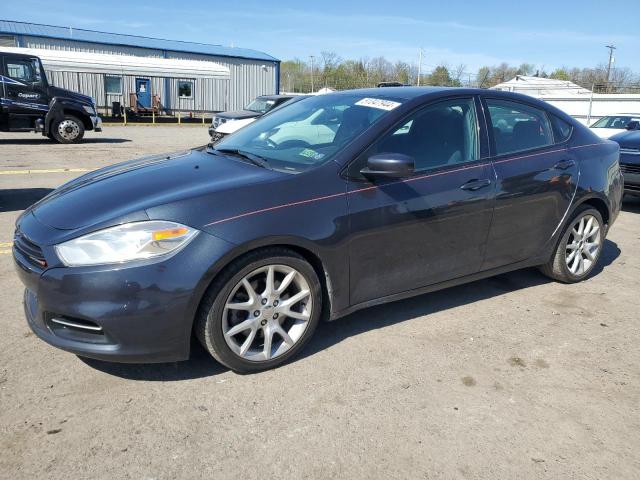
(68, 130)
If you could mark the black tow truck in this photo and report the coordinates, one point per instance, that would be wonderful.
(29, 103)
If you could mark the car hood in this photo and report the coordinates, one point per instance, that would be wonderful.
(238, 114)
(607, 132)
(230, 127)
(119, 190)
(62, 92)
(628, 139)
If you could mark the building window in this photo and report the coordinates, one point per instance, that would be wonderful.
(113, 85)
(8, 41)
(185, 89)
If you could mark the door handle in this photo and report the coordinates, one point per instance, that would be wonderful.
(564, 164)
(476, 184)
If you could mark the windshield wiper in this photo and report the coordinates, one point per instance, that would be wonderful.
(255, 159)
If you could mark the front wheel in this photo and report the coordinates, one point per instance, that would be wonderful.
(261, 311)
(68, 130)
(579, 249)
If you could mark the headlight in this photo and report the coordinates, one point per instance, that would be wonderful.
(125, 243)
(89, 109)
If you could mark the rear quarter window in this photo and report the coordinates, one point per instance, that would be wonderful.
(561, 130)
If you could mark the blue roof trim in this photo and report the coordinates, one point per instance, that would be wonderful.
(82, 35)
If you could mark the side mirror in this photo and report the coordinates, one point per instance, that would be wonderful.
(633, 125)
(392, 165)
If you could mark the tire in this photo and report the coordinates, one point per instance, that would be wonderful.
(264, 315)
(70, 129)
(562, 266)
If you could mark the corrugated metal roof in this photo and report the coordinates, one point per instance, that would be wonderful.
(70, 33)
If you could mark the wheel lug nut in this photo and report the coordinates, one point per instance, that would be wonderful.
(264, 301)
(275, 303)
(256, 313)
(263, 323)
(275, 315)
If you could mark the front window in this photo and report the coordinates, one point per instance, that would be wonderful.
(261, 105)
(615, 121)
(309, 132)
(27, 71)
(439, 135)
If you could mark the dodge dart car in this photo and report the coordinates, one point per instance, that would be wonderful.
(249, 244)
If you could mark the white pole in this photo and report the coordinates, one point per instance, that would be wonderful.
(419, 65)
(590, 104)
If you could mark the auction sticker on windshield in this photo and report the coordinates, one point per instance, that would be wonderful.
(377, 103)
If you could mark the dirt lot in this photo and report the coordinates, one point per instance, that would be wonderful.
(512, 377)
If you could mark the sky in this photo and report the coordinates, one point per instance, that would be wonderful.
(548, 34)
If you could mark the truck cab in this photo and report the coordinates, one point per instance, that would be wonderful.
(29, 103)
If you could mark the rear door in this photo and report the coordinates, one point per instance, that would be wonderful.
(536, 176)
(25, 98)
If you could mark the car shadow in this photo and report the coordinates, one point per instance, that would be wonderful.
(631, 204)
(46, 141)
(331, 333)
(15, 199)
(200, 364)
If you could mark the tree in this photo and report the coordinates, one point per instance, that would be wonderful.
(560, 74)
(439, 77)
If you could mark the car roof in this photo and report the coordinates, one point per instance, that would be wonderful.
(408, 93)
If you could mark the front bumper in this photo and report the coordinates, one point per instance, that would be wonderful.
(97, 123)
(141, 313)
(631, 173)
(215, 136)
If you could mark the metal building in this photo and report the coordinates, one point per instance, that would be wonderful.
(180, 76)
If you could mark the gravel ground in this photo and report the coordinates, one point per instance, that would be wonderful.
(510, 377)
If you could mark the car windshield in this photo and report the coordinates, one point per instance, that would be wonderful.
(261, 105)
(309, 132)
(615, 121)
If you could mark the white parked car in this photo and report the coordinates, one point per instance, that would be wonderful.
(613, 124)
(224, 123)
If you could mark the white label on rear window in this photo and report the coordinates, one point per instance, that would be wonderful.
(377, 103)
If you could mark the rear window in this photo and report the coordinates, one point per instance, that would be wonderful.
(518, 127)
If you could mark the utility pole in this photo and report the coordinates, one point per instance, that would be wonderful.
(312, 58)
(419, 65)
(611, 60)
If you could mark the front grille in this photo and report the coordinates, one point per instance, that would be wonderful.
(29, 250)
(628, 168)
(629, 151)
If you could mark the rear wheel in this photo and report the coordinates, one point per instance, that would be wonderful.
(68, 130)
(579, 249)
(261, 311)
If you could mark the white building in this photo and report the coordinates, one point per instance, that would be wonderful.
(573, 99)
(184, 76)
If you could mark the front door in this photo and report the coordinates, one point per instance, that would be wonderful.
(143, 89)
(536, 180)
(432, 226)
(25, 96)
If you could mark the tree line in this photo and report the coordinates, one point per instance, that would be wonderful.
(329, 70)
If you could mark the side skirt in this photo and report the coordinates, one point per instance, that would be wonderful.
(534, 262)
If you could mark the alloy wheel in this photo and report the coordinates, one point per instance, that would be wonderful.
(583, 245)
(267, 312)
(68, 129)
